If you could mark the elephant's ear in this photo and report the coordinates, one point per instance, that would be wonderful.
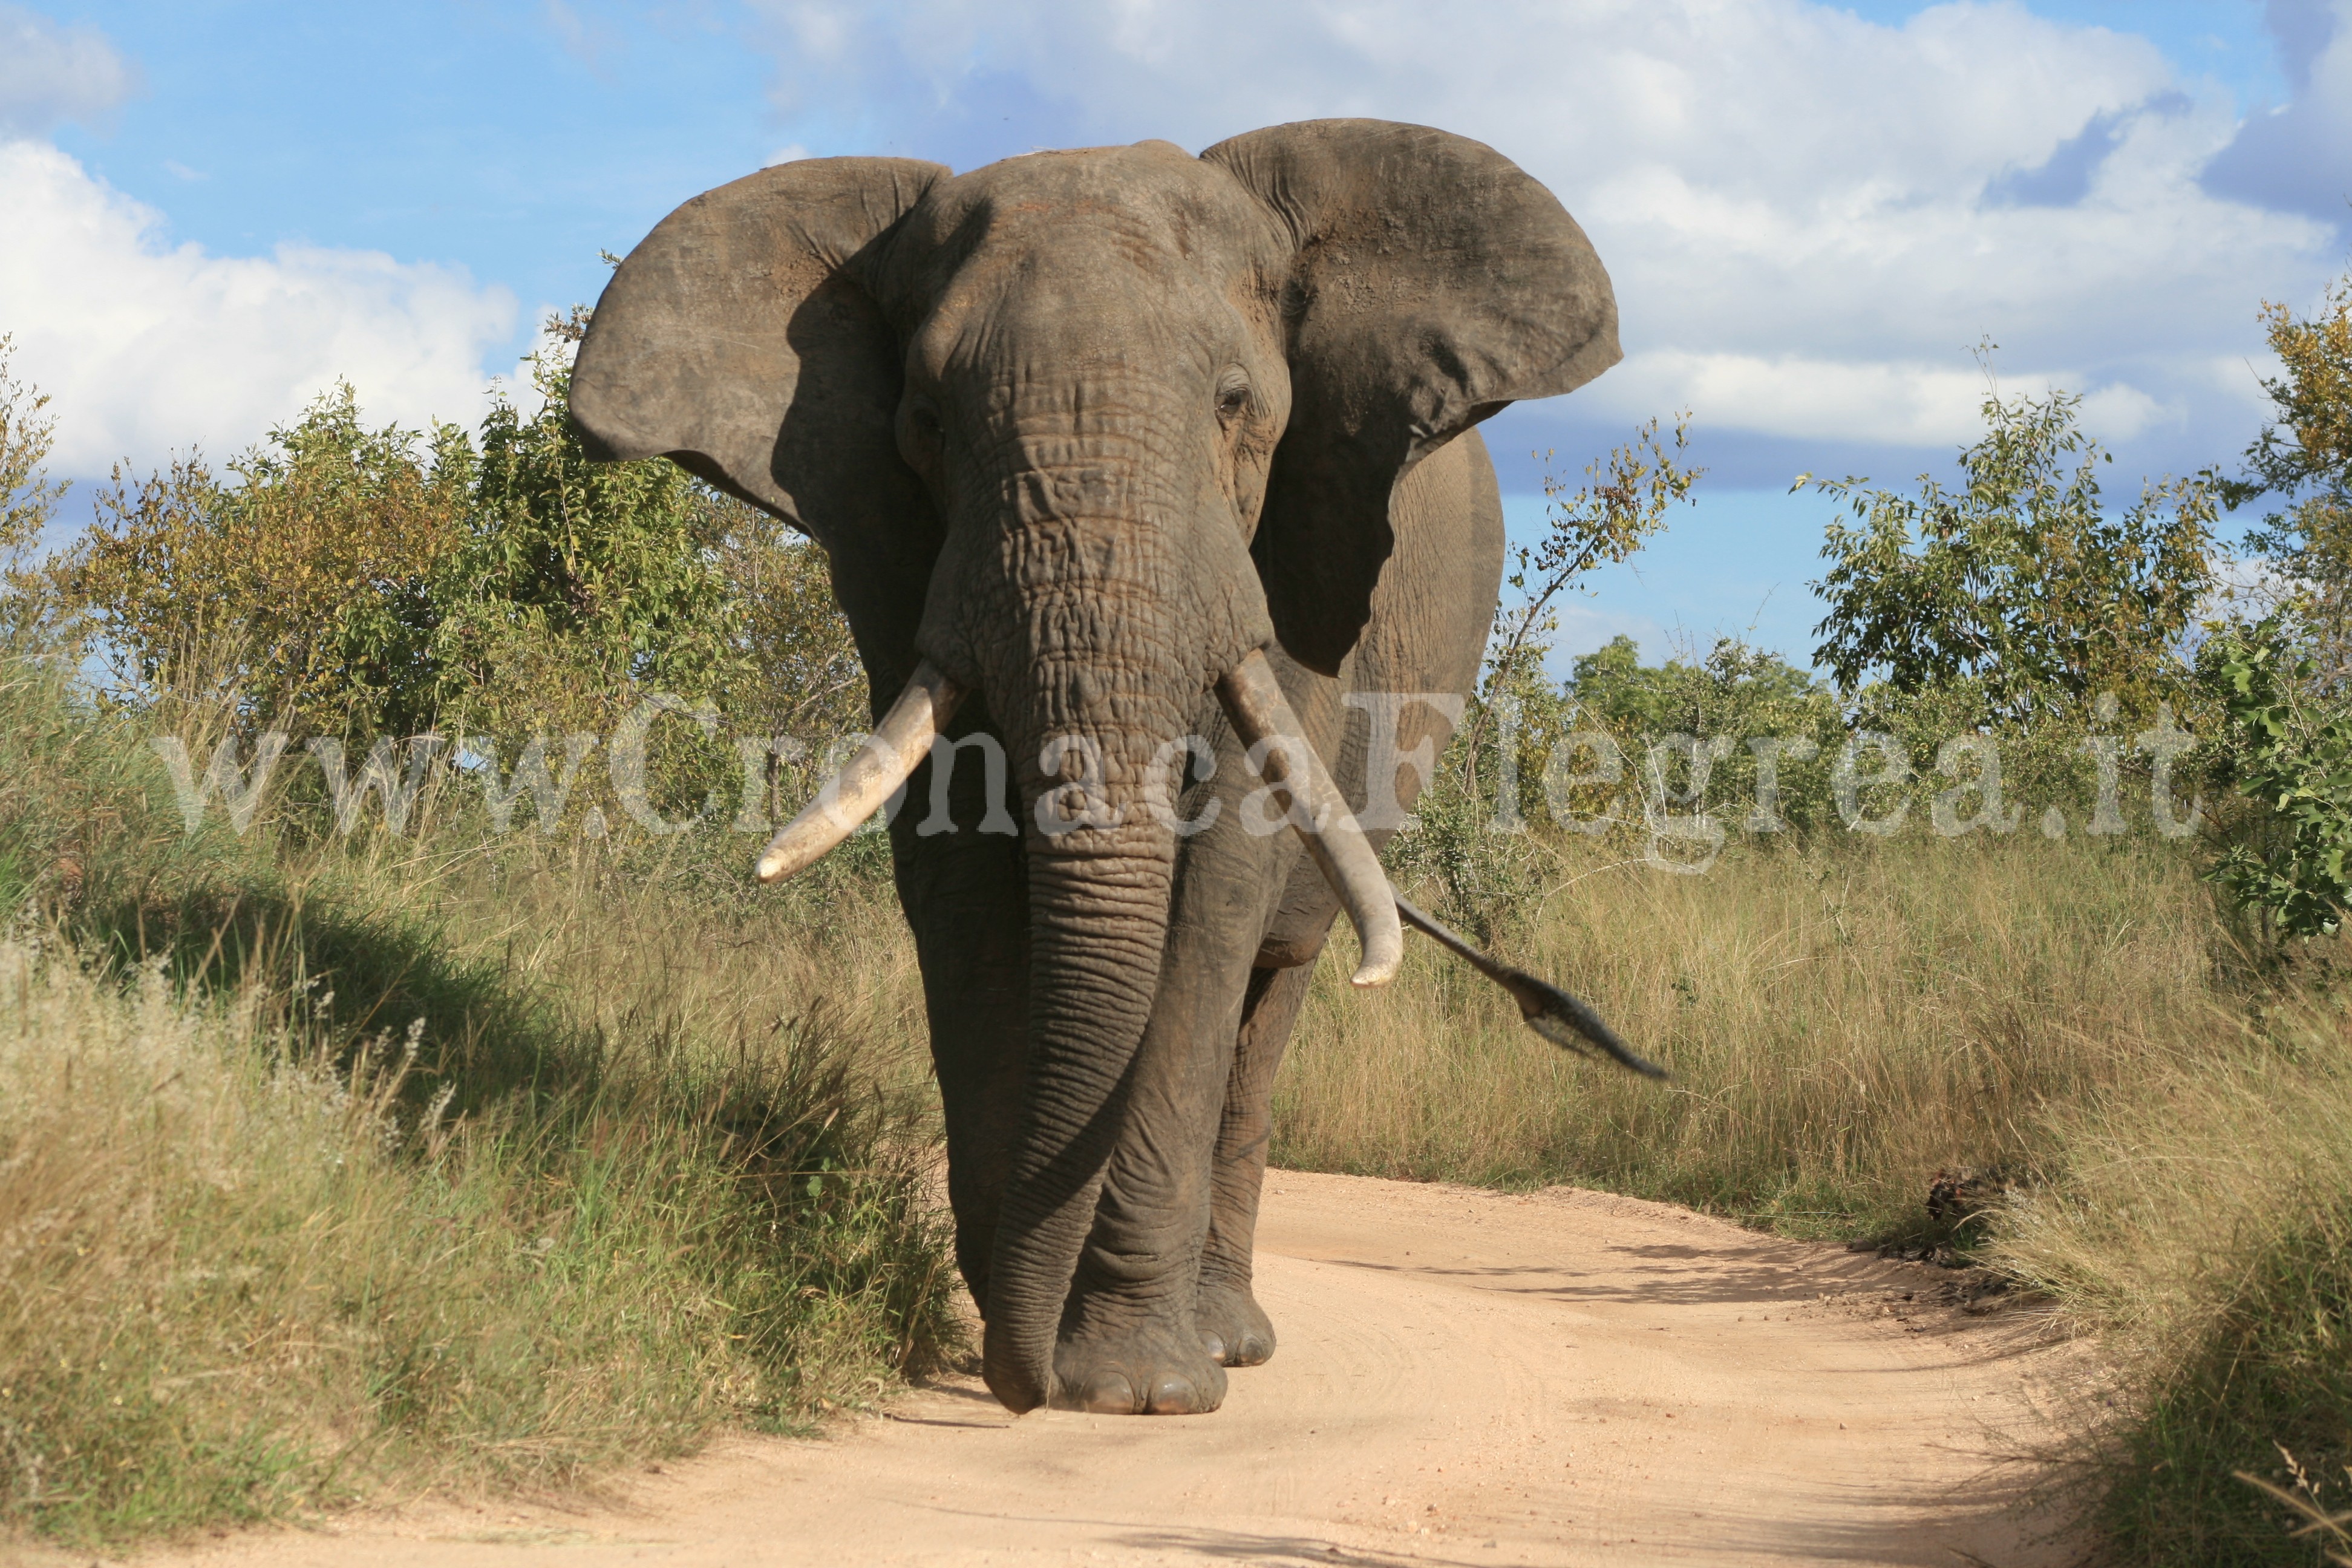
(738, 339)
(1433, 281)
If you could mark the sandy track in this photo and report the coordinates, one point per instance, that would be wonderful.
(1465, 1377)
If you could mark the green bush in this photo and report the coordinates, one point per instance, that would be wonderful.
(362, 586)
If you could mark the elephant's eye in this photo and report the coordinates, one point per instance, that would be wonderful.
(920, 433)
(1232, 401)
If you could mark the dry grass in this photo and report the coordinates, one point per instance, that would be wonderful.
(661, 1159)
(639, 1177)
(1841, 1022)
(2076, 1021)
(2201, 1224)
(245, 1266)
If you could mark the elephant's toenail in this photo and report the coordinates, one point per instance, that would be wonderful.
(1214, 1346)
(1109, 1394)
(1173, 1395)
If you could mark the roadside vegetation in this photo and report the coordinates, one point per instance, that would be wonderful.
(385, 1130)
(336, 1165)
(336, 1171)
(2078, 1016)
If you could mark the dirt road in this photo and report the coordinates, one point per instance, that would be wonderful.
(1464, 1378)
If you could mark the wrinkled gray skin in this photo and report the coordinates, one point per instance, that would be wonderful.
(1083, 429)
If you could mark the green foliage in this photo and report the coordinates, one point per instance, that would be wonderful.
(2311, 446)
(353, 583)
(350, 580)
(1484, 874)
(2304, 458)
(807, 679)
(577, 583)
(2026, 643)
(1734, 695)
(27, 495)
(298, 589)
(1601, 521)
(1726, 692)
(1604, 520)
(2020, 581)
(2292, 756)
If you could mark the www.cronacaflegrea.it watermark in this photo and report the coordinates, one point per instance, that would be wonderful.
(1591, 781)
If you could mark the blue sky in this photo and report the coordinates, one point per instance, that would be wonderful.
(1811, 211)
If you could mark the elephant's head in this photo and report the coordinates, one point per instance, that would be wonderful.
(1081, 432)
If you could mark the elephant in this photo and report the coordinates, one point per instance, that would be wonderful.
(1157, 472)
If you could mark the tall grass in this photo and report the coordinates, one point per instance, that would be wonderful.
(325, 1171)
(2077, 1024)
(2203, 1226)
(1841, 1021)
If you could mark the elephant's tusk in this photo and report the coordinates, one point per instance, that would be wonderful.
(1549, 1011)
(895, 750)
(1261, 715)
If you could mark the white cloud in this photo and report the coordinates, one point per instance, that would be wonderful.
(149, 347)
(2119, 413)
(1809, 217)
(49, 74)
(2241, 378)
(1895, 403)
(1899, 403)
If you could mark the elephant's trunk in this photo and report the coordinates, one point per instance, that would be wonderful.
(1086, 724)
(1091, 592)
(1099, 921)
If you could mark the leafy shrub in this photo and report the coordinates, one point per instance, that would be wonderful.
(361, 585)
(2022, 581)
(2292, 756)
(2304, 458)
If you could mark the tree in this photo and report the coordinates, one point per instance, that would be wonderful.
(1604, 520)
(2021, 580)
(355, 583)
(2304, 458)
(2296, 867)
(299, 590)
(1735, 689)
(27, 495)
(575, 584)
(807, 679)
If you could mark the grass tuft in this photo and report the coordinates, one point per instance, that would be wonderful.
(2202, 1226)
(330, 1172)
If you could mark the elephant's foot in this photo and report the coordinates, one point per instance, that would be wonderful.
(1153, 1369)
(1235, 1330)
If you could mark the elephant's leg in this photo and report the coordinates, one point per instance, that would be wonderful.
(1231, 1321)
(965, 898)
(972, 942)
